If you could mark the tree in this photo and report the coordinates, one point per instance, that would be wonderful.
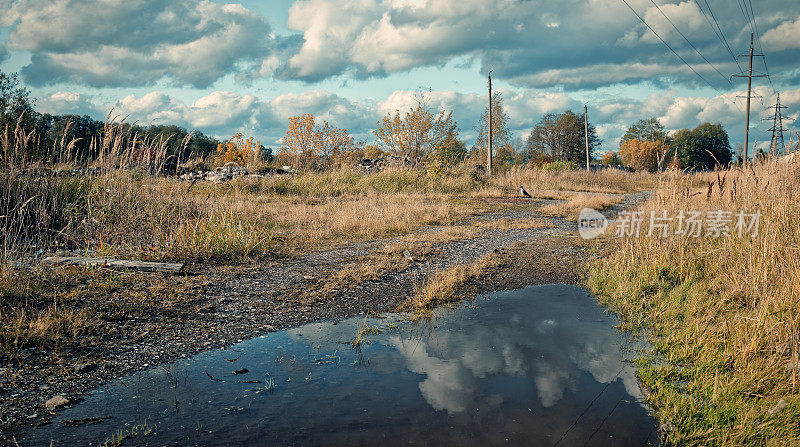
(15, 102)
(238, 149)
(452, 150)
(417, 134)
(315, 146)
(704, 147)
(645, 130)
(332, 143)
(508, 155)
(298, 141)
(501, 135)
(644, 155)
(612, 159)
(561, 137)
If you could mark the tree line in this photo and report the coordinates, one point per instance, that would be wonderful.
(419, 135)
(646, 146)
(424, 135)
(80, 134)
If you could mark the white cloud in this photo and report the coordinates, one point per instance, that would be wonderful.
(686, 16)
(68, 103)
(784, 36)
(136, 42)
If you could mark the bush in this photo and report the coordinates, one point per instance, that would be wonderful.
(560, 165)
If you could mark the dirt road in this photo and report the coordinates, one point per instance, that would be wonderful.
(215, 307)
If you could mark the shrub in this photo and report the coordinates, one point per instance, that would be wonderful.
(560, 165)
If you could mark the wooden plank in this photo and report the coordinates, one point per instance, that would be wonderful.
(163, 267)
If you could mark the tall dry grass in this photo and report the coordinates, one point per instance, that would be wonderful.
(721, 312)
(611, 181)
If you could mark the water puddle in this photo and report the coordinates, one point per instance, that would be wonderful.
(538, 366)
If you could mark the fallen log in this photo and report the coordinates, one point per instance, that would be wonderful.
(144, 266)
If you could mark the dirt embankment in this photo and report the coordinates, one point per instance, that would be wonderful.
(215, 307)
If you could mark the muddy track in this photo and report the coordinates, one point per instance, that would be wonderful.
(231, 304)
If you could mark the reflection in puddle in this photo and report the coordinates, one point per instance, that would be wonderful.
(538, 366)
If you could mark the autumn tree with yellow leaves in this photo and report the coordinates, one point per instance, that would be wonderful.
(644, 155)
(312, 146)
(416, 134)
(239, 150)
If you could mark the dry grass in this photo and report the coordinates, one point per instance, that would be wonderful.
(445, 286)
(129, 211)
(722, 313)
(611, 181)
(576, 202)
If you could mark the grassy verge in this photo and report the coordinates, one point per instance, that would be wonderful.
(721, 312)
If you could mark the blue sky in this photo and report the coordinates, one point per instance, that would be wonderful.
(222, 68)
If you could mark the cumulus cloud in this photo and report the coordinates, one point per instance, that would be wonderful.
(68, 103)
(222, 113)
(784, 36)
(137, 42)
(531, 43)
(580, 43)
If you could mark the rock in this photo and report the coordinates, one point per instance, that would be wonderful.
(778, 407)
(82, 368)
(56, 402)
(218, 177)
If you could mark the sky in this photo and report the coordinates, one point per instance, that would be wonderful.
(222, 68)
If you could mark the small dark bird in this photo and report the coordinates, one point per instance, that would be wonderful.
(523, 193)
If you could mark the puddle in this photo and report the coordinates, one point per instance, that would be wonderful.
(537, 366)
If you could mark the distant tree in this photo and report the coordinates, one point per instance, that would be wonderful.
(508, 155)
(501, 135)
(266, 154)
(298, 141)
(15, 102)
(704, 147)
(417, 133)
(334, 144)
(313, 146)
(238, 149)
(645, 155)
(452, 150)
(612, 159)
(646, 130)
(561, 137)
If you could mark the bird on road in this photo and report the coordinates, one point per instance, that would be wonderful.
(523, 193)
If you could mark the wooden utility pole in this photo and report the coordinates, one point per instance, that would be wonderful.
(749, 77)
(586, 132)
(749, 85)
(489, 150)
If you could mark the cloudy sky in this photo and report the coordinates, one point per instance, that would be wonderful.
(225, 67)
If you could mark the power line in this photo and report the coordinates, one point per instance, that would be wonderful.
(721, 33)
(760, 48)
(688, 41)
(670, 48)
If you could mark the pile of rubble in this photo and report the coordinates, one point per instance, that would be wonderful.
(371, 165)
(232, 171)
